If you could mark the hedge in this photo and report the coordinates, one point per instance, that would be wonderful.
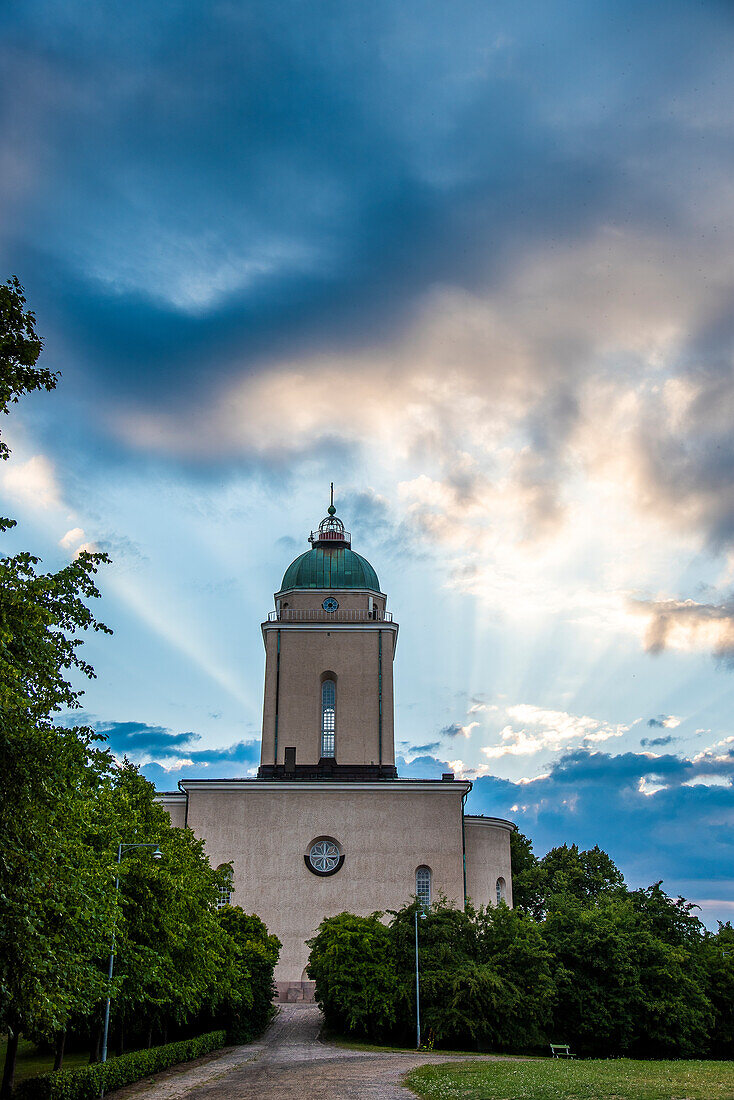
(88, 1082)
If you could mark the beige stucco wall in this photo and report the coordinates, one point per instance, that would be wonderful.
(385, 829)
(487, 859)
(175, 805)
(351, 653)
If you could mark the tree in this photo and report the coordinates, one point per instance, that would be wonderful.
(671, 920)
(619, 988)
(527, 877)
(53, 898)
(512, 942)
(171, 950)
(352, 963)
(20, 347)
(717, 954)
(247, 1005)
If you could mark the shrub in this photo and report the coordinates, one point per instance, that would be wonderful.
(87, 1083)
(352, 964)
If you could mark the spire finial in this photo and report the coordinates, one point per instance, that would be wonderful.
(332, 509)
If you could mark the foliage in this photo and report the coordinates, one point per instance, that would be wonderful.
(524, 871)
(671, 920)
(244, 1004)
(32, 1060)
(566, 871)
(20, 347)
(619, 988)
(718, 964)
(608, 971)
(65, 806)
(549, 1079)
(87, 1083)
(352, 965)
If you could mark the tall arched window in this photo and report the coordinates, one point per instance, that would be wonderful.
(328, 718)
(500, 890)
(423, 886)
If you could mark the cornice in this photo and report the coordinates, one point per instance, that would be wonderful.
(491, 822)
(456, 786)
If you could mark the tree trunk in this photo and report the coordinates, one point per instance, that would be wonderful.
(9, 1070)
(59, 1043)
(121, 1045)
(96, 1051)
(150, 1035)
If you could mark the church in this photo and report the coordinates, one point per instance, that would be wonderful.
(327, 824)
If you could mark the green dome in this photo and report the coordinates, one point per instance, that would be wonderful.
(330, 567)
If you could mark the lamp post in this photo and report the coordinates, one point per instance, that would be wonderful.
(157, 854)
(417, 985)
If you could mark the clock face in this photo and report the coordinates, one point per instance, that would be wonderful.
(330, 604)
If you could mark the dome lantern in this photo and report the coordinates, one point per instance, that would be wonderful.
(331, 562)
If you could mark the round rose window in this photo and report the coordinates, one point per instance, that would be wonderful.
(324, 857)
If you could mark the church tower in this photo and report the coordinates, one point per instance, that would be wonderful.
(329, 650)
(327, 825)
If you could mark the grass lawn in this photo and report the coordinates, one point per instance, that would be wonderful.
(349, 1043)
(597, 1079)
(30, 1062)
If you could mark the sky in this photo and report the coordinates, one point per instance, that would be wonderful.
(473, 263)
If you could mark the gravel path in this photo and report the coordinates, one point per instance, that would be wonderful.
(288, 1062)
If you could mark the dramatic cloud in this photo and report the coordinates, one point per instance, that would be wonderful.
(167, 757)
(658, 816)
(531, 730)
(473, 262)
(32, 482)
(132, 738)
(685, 624)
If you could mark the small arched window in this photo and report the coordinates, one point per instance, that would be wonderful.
(224, 895)
(328, 718)
(500, 890)
(423, 886)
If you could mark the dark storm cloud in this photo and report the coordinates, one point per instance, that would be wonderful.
(451, 731)
(215, 186)
(422, 767)
(233, 762)
(136, 739)
(682, 832)
(658, 741)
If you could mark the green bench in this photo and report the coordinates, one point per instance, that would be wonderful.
(561, 1050)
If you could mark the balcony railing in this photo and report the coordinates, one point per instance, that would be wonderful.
(337, 536)
(318, 615)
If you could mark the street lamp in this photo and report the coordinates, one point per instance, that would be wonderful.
(157, 855)
(417, 984)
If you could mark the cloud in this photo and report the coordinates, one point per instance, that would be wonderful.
(33, 483)
(535, 729)
(664, 721)
(658, 741)
(138, 737)
(687, 625)
(165, 755)
(72, 538)
(649, 812)
(457, 730)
